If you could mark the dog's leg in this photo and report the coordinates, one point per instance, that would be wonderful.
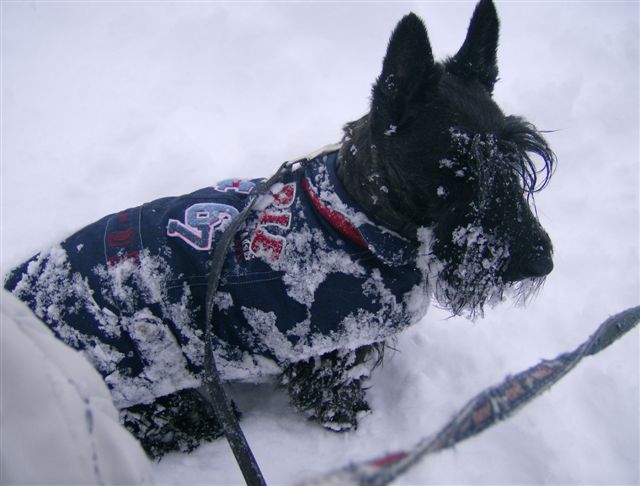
(329, 388)
(177, 422)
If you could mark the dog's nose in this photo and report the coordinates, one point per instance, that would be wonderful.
(535, 266)
(540, 266)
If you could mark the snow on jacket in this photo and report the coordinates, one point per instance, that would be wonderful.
(307, 274)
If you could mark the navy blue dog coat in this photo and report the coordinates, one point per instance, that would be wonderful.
(308, 273)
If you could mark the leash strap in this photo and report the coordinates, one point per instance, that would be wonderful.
(486, 409)
(212, 388)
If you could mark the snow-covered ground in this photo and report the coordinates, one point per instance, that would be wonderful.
(108, 105)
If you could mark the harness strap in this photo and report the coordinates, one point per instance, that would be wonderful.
(212, 389)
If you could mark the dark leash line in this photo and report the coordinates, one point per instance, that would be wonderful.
(489, 407)
(212, 389)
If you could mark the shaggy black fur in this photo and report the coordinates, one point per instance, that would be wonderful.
(437, 161)
(177, 422)
(329, 389)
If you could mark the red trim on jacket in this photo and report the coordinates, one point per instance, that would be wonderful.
(341, 224)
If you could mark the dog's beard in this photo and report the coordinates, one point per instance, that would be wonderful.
(470, 276)
(468, 261)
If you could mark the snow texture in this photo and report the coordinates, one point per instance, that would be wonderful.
(108, 105)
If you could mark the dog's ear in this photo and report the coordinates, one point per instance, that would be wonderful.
(408, 66)
(476, 59)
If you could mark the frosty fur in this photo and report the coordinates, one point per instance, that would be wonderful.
(329, 389)
(180, 421)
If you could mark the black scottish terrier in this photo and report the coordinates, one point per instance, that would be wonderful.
(435, 164)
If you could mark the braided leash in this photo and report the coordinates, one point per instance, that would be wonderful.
(486, 409)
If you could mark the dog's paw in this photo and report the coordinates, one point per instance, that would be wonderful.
(177, 422)
(340, 409)
(329, 388)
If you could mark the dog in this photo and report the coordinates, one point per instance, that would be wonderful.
(428, 195)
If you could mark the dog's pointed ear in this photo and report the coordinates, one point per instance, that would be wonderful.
(408, 65)
(476, 59)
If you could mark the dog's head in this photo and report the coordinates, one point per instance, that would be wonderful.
(436, 151)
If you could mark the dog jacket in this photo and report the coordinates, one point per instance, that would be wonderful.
(307, 274)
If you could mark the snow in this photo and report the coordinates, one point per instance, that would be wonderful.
(108, 105)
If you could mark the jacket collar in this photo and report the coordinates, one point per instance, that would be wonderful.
(335, 205)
